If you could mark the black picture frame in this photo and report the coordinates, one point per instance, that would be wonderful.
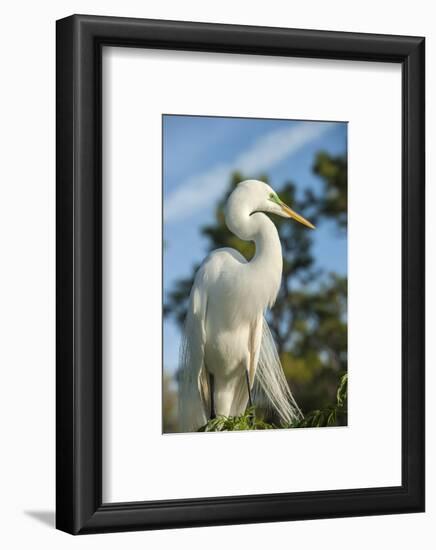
(79, 507)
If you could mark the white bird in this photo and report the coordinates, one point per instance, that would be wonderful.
(227, 350)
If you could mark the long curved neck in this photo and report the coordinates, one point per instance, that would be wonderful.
(265, 269)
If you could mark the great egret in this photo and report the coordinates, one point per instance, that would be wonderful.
(228, 355)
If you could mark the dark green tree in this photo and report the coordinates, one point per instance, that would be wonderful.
(332, 201)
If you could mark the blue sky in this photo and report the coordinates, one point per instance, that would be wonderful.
(200, 153)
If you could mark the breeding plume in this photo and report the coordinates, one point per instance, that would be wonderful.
(228, 356)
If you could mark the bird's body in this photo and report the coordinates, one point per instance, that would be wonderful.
(227, 345)
(235, 346)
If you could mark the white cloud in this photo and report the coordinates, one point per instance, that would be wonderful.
(265, 153)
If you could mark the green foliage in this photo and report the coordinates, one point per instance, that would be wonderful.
(332, 202)
(309, 318)
(246, 421)
(342, 393)
(327, 416)
(330, 415)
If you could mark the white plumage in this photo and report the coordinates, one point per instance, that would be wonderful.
(227, 347)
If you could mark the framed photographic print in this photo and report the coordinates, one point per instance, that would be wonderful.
(240, 274)
(246, 362)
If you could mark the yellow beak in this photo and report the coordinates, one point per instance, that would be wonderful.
(292, 214)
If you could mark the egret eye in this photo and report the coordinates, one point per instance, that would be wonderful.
(274, 198)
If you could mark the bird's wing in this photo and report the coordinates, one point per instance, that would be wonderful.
(193, 382)
(270, 382)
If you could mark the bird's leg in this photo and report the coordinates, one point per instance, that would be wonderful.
(247, 378)
(212, 396)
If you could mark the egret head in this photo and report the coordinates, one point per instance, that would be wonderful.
(260, 197)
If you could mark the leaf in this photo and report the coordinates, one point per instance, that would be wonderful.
(246, 421)
(341, 394)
